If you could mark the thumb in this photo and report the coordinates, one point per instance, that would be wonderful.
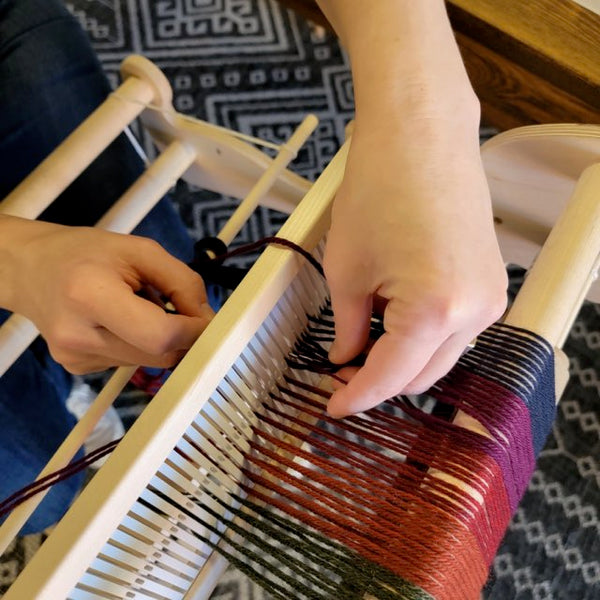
(352, 317)
(183, 286)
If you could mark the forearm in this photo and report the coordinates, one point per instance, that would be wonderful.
(405, 62)
(411, 225)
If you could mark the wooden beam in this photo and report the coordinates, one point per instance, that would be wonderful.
(545, 51)
(512, 96)
(556, 39)
(309, 10)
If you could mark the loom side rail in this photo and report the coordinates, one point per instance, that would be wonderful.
(566, 267)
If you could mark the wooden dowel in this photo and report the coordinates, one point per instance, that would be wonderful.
(18, 517)
(557, 283)
(53, 175)
(578, 303)
(149, 188)
(287, 153)
(16, 333)
(209, 576)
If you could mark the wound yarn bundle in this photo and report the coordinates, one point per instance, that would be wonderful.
(397, 502)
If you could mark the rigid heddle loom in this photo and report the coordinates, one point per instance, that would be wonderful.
(235, 460)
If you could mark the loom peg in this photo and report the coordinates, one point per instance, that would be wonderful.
(287, 153)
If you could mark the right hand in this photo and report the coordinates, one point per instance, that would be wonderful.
(79, 287)
(412, 232)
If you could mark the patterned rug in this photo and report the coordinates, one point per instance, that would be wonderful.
(252, 66)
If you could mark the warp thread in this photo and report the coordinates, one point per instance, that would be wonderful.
(362, 484)
(396, 502)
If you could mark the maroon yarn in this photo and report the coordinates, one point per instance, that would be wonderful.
(34, 488)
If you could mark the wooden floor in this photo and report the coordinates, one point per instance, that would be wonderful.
(531, 62)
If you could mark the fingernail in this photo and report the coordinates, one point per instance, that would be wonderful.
(334, 352)
(334, 414)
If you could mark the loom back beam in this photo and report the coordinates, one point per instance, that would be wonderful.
(565, 268)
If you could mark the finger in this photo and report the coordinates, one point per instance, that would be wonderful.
(110, 349)
(390, 365)
(352, 317)
(443, 359)
(98, 350)
(342, 377)
(142, 324)
(173, 278)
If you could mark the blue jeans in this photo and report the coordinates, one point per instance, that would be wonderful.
(50, 80)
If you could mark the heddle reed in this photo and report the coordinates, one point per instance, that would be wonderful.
(234, 459)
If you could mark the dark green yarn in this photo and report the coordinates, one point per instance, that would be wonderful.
(276, 590)
(357, 574)
(336, 571)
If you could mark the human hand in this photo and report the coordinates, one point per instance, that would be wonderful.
(79, 286)
(411, 226)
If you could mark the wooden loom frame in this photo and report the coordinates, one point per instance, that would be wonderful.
(547, 305)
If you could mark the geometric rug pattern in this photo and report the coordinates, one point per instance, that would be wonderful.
(252, 66)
